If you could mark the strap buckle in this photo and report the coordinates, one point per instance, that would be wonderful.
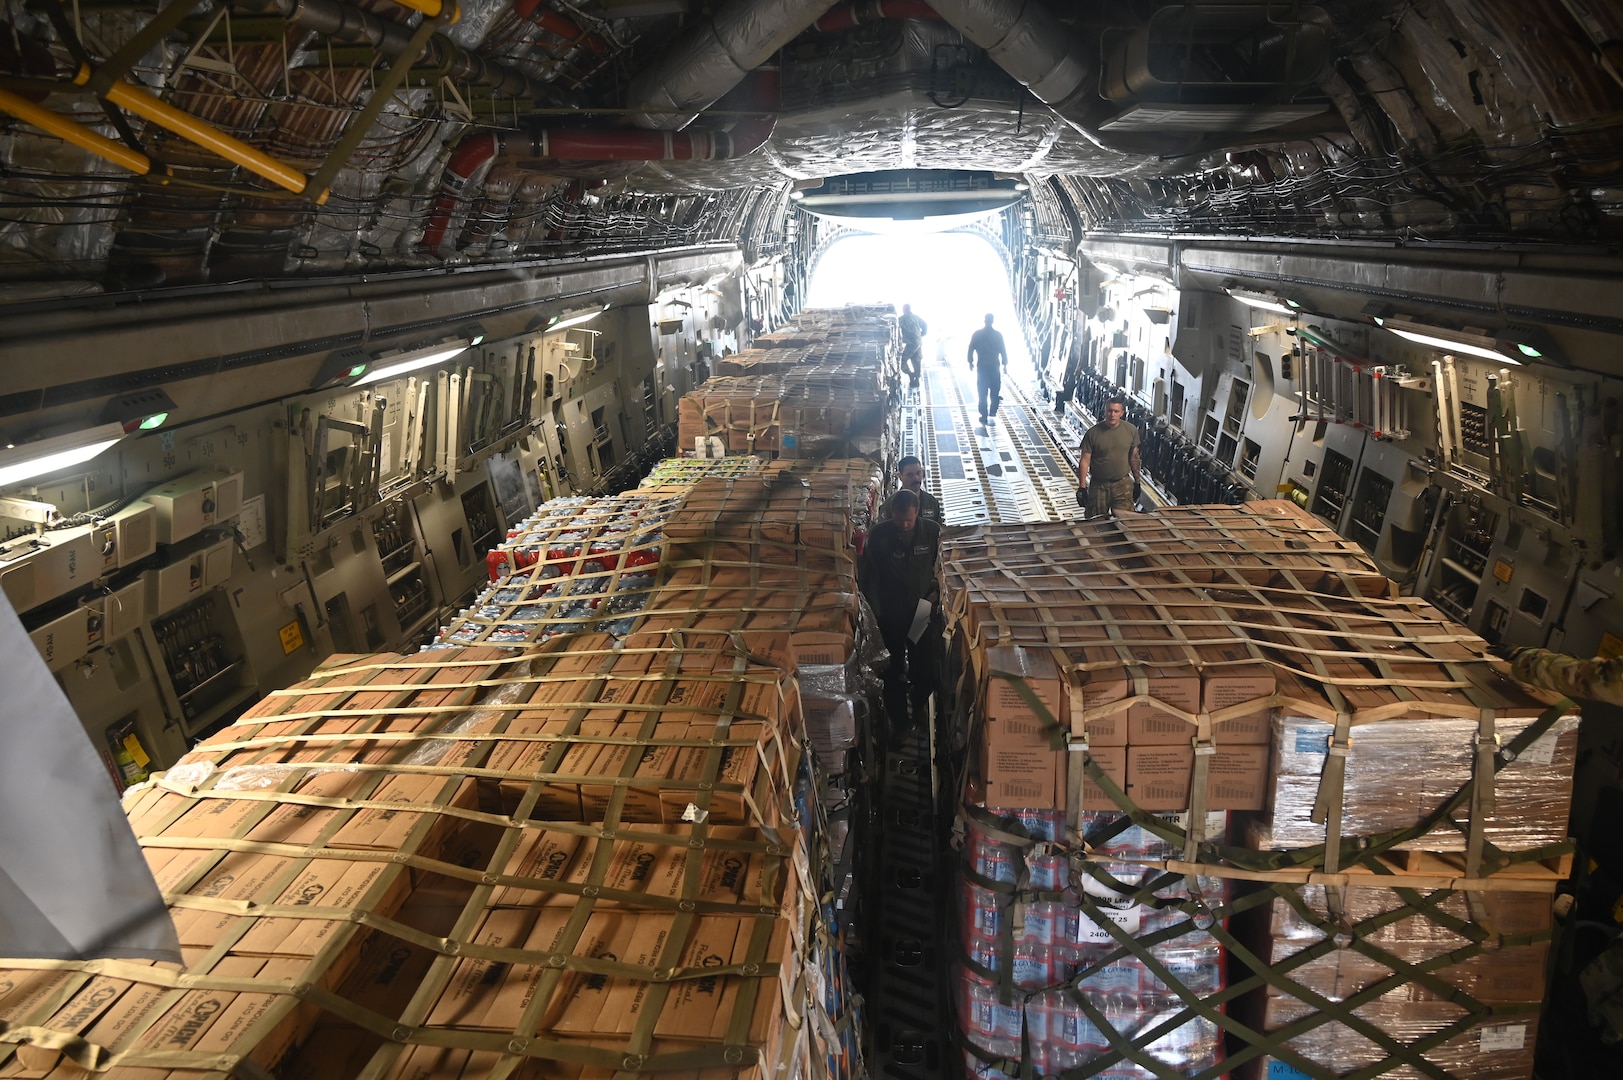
(1203, 749)
(1338, 747)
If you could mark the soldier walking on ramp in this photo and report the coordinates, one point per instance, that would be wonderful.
(1109, 476)
(987, 345)
(913, 330)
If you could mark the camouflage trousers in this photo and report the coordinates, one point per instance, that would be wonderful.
(1110, 496)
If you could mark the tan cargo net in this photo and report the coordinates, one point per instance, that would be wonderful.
(350, 867)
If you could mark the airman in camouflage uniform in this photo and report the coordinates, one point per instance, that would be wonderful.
(1590, 680)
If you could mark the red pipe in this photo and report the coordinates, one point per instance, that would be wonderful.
(570, 144)
(857, 12)
(465, 160)
(554, 23)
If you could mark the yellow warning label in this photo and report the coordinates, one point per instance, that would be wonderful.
(133, 746)
(1502, 570)
(1610, 648)
(292, 638)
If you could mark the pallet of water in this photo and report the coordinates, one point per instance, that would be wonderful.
(1046, 972)
(1369, 794)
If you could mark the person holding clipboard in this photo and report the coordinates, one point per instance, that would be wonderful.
(898, 577)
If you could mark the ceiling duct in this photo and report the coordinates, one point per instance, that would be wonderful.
(715, 57)
(855, 13)
(580, 144)
(1029, 42)
(1025, 39)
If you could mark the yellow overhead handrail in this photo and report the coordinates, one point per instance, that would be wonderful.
(73, 132)
(143, 104)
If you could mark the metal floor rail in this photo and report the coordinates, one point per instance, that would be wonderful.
(908, 883)
(1012, 470)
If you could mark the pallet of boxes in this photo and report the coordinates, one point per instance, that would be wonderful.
(775, 550)
(1232, 807)
(817, 389)
(601, 855)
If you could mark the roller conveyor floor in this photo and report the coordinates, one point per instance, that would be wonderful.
(1015, 469)
(1021, 468)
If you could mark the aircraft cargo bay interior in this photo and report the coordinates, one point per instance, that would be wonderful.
(811, 540)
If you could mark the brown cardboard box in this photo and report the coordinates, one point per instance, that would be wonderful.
(1021, 774)
(814, 647)
(237, 876)
(489, 996)
(582, 996)
(380, 829)
(1167, 674)
(1113, 761)
(544, 856)
(295, 823)
(1158, 777)
(185, 1024)
(751, 767)
(1004, 703)
(1226, 687)
(324, 883)
(702, 1009)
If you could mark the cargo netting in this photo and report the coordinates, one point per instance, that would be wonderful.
(479, 863)
(1233, 807)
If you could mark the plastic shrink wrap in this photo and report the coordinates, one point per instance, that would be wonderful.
(1399, 771)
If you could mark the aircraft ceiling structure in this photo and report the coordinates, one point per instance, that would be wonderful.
(242, 140)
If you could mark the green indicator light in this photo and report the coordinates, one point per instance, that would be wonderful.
(1528, 350)
(154, 421)
(358, 369)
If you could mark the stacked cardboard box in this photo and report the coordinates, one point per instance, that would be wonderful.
(781, 414)
(793, 513)
(855, 322)
(341, 901)
(1137, 654)
(858, 368)
(268, 841)
(775, 553)
(815, 389)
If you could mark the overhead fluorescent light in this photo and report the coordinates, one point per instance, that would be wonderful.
(19, 463)
(1457, 341)
(574, 318)
(387, 367)
(354, 366)
(1260, 301)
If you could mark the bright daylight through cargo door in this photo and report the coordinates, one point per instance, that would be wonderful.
(952, 280)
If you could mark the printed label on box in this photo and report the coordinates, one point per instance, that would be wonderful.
(1542, 752)
(1278, 1070)
(1217, 821)
(1311, 740)
(1503, 1037)
(1090, 932)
